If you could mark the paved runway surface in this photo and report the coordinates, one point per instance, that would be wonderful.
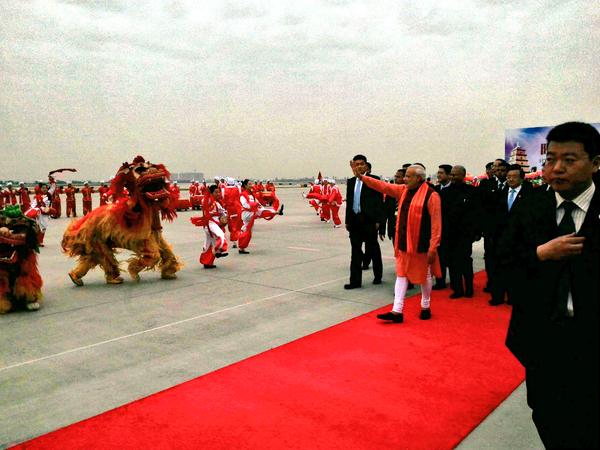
(92, 348)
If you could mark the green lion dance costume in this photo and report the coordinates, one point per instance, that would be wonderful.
(20, 280)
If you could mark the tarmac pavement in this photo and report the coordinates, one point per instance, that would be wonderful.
(93, 348)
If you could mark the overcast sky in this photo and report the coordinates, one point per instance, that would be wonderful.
(277, 88)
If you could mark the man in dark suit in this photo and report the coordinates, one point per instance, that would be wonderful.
(364, 216)
(366, 259)
(490, 191)
(554, 239)
(390, 205)
(443, 176)
(509, 201)
(462, 223)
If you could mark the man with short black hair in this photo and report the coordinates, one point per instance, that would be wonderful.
(553, 331)
(391, 207)
(463, 228)
(443, 176)
(490, 192)
(500, 171)
(366, 261)
(364, 216)
(509, 203)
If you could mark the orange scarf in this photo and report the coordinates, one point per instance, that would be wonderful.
(415, 215)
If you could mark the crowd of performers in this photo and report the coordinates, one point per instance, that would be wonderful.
(325, 197)
(84, 195)
(233, 206)
(129, 217)
(25, 197)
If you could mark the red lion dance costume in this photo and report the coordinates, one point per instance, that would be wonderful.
(20, 280)
(132, 223)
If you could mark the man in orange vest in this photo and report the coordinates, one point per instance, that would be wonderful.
(418, 235)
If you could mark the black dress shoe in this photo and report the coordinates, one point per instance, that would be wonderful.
(221, 255)
(243, 252)
(209, 266)
(351, 286)
(396, 318)
(493, 302)
(425, 314)
(377, 281)
(469, 294)
(456, 295)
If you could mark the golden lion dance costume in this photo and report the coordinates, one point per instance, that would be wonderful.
(20, 280)
(132, 222)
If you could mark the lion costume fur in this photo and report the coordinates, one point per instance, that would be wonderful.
(132, 222)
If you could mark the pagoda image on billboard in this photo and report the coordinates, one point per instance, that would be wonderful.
(518, 155)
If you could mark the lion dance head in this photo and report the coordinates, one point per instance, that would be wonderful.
(20, 280)
(147, 185)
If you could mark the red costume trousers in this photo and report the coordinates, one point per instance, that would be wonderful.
(215, 243)
(87, 206)
(335, 210)
(325, 210)
(71, 208)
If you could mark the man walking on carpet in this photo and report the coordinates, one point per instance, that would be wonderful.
(554, 238)
(418, 235)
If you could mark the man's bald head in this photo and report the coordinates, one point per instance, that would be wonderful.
(457, 174)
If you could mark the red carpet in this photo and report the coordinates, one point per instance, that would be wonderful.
(362, 384)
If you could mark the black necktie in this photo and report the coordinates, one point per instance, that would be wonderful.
(566, 226)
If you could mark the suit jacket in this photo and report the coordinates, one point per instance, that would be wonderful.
(445, 210)
(390, 205)
(462, 205)
(371, 204)
(490, 195)
(535, 336)
(502, 214)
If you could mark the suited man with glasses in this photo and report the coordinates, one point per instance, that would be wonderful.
(554, 240)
